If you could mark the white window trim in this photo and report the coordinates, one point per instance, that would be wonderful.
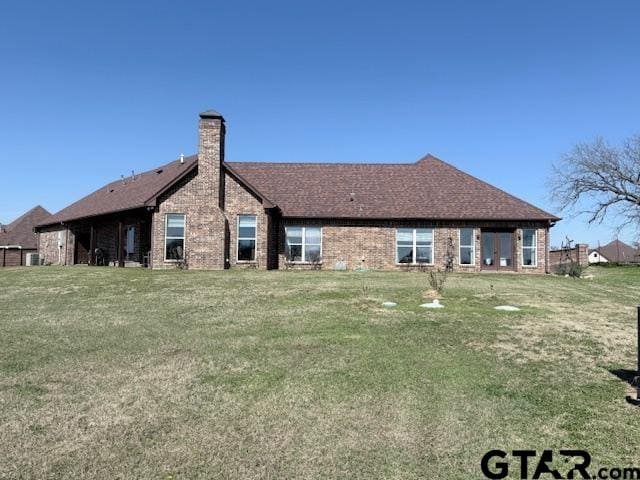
(534, 248)
(238, 238)
(413, 260)
(304, 242)
(473, 248)
(184, 238)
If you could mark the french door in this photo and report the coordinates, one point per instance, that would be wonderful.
(497, 250)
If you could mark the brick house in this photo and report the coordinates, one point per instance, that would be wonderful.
(18, 239)
(213, 214)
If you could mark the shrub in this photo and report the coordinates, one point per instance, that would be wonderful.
(437, 279)
(573, 269)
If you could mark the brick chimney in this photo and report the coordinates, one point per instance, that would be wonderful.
(211, 132)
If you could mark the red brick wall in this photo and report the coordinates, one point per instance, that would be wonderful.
(239, 201)
(372, 244)
(204, 229)
(579, 254)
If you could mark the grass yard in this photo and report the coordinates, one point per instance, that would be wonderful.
(127, 373)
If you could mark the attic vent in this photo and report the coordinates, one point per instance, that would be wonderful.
(159, 171)
(111, 190)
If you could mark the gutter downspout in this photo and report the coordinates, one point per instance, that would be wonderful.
(66, 246)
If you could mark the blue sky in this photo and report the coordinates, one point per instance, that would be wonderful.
(93, 90)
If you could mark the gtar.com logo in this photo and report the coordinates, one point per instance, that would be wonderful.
(497, 464)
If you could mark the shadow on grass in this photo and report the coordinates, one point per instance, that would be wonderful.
(633, 379)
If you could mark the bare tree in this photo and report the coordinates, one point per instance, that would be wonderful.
(600, 180)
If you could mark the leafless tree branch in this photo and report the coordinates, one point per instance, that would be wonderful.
(604, 177)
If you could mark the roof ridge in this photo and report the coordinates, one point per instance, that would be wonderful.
(254, 162)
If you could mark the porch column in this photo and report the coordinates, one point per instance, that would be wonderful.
(92, 245)
(138, 243)
(4, 256)
(120, 245)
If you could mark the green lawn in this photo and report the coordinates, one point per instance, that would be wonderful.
(128, 373)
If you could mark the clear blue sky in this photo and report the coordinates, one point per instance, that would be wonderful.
(92, 90)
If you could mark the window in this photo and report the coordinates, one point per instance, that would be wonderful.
(174, 236)
(303, 244)
(414, 245)
(529, 247)
(247, 238)
(467, 246)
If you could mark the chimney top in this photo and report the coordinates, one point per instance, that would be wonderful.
(211, 114)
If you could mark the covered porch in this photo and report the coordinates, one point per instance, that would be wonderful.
(120, 239)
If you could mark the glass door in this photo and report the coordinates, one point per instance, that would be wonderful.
(488, 241)
(497, 250)
(505, 252)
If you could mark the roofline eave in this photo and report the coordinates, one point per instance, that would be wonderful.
(67, 221)
(551, 221)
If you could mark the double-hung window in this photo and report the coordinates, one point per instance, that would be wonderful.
(247, 238)
(303, 244)
(174, 236)
(467, 245)
(414, 245)
(529, 247)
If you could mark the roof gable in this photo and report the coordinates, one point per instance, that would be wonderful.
(20, 231)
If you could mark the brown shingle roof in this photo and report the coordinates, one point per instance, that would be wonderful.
(119, 196)
(20, 231)
(619, 252)
(429, 188)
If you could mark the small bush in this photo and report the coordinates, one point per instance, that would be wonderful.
(572, 269)
(437, 279)
(182, 264)
(365, 290)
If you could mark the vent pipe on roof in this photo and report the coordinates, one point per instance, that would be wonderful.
(122, 179)
(133, 176)
(181, 158)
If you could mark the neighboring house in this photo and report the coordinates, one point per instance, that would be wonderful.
(210, 213)
(615, 252)
(19, 239)
(596, 257)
